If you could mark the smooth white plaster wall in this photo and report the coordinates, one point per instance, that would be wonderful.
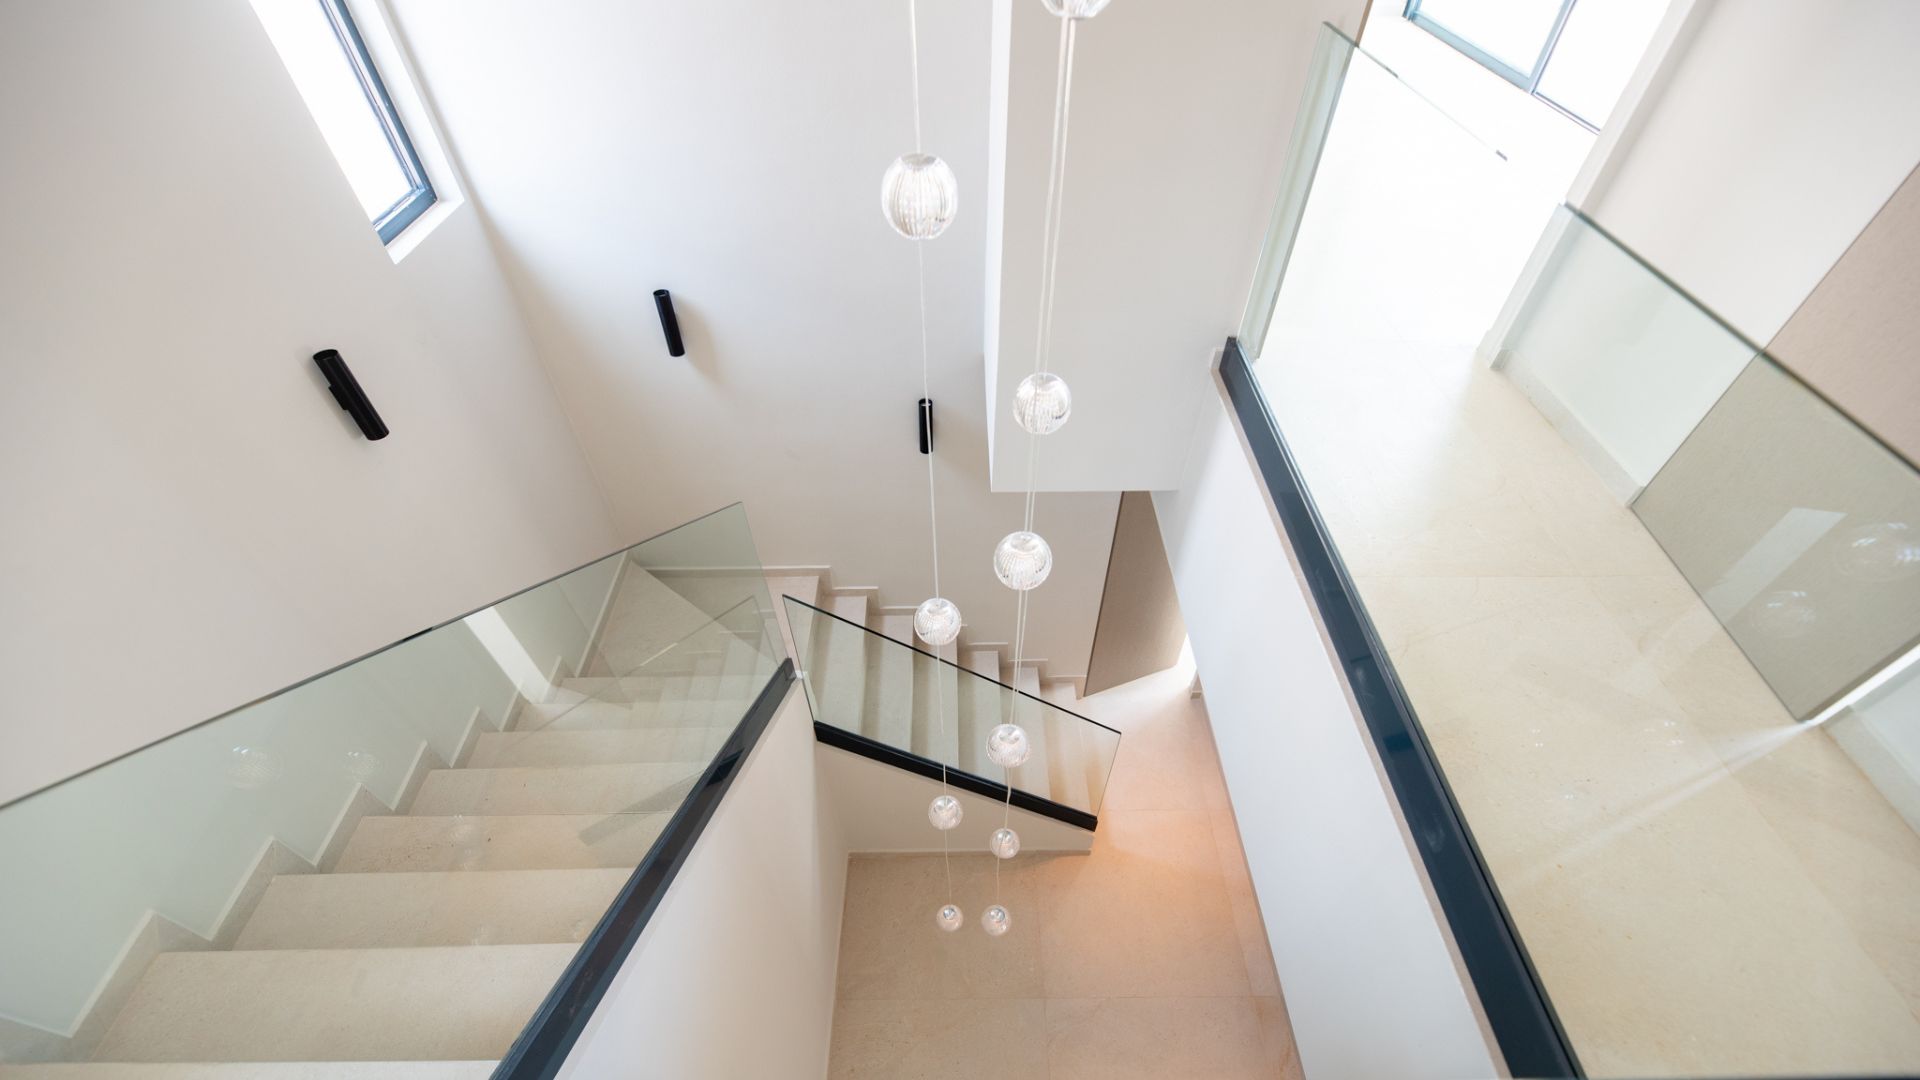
(194, 521)
(734, 157)
(1354, 934)
(1180, 118)
(1771, 134)
(734, 975)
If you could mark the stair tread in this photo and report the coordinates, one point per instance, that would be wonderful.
(448, 907)
(465, 1003)
(890, 715)
(503, 842)
(606, 788)
(587, 746)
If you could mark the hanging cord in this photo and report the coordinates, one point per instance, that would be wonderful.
(933, 511)
(1042, 348)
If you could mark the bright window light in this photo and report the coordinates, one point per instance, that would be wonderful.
(1596, 54)
(323, 51)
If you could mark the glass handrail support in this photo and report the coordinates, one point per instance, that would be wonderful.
(895, 695)
(486, 784)
(1649, 600)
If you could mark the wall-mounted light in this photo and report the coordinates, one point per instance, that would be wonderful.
(669, 323)
(346, 391)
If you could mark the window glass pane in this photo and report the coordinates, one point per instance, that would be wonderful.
(1511, 31)
(1597, 52)
(353, 130)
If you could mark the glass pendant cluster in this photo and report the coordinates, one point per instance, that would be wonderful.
(919, 197)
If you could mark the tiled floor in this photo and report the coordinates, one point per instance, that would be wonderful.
(1146, 958)
(1705, 886)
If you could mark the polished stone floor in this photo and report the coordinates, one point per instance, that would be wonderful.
(1146, 958)
(1705, 886)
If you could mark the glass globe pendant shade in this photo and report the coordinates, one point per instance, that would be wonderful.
(948, 918)
(937, 622)
(1041, 403)
(1075, 9)
(1004, 843)
(1887, 551)
(944, 812)
(1008, 746)
(995, 921)
(919, 196)
(1022, 560)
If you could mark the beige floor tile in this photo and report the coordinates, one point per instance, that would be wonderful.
(1194, 1038)
(1145, 915)
(940, 1040)
(1255, 950)
(890, 947)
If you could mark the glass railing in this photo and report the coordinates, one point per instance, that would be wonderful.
(1647, 594)
(395, 860)
(891, 694)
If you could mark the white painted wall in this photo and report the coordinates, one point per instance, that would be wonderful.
(194, 522)
(734, 975)
(1181, 114)
(1355, 937)
(1780, 129)
(734, 157)
(1768, 137)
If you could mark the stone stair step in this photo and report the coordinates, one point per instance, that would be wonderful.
(619, 787)
(464, 1004)
(936, 729)
(590, 747)
(382, 911)
(889, 715)
(1034, 775)
(531, 842)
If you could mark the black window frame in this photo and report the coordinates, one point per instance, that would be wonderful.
(392, 221)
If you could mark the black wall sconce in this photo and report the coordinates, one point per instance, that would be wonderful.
(926, 425)
(346, 391)
(669, 323)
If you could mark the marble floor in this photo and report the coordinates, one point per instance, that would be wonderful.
(1705, 886)
(1146, 958)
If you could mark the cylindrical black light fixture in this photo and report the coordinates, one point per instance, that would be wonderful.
(346, 391)
(926, 425)
(669, 323)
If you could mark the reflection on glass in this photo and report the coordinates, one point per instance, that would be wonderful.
(1616, 571)
(346, 820)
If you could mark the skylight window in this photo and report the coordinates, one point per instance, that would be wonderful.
(329, 62)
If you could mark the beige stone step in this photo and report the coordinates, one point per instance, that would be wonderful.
(889, 711)
(255, 1070)
(589, 747)
(838, 667)
(614, 788)
(936, 708)
(1034, 775)
(462, 1004)
(530, 842)
(382, 911)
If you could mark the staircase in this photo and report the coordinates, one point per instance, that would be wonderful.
(910, 701)
(423, 948)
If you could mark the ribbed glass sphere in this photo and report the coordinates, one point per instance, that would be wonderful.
(1785, 613)
(1042, 402)
(1004, 843)
(1022, 560)
(937, 622)
(1887, 551)
(948, 918)
(1008, 746)
(995, 921)
(253, 767)
(944, 812)
(919, 196)
(1076, 9)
